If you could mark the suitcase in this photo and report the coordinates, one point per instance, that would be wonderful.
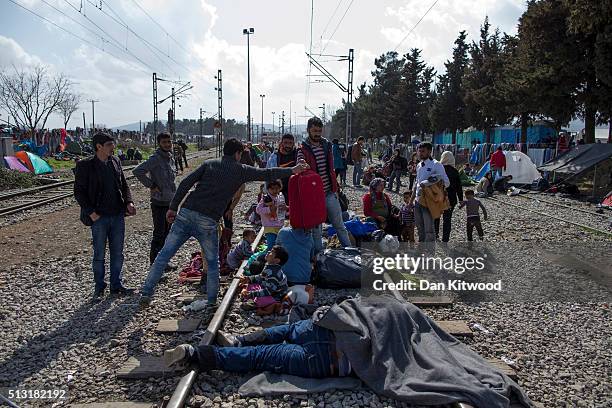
(306, 200)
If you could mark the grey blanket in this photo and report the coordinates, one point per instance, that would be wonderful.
(267, 383)
(401, 353)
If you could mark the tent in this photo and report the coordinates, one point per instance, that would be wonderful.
(518, 165)
(607, 201)
(579, 159)
(34, 163)
(13, 163)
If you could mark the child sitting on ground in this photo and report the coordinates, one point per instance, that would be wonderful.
(272, 209)
(472, 206)
(243, 250)
(407, 218)
(271, 285)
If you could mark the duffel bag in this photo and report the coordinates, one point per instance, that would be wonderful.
(338, 268)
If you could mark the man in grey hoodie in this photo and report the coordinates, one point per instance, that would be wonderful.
(158, 174)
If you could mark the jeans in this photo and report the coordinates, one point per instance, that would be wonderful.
(189, 223)
(302, 348)
(270, 240)
(424, 223)
(497, 172)
(342, 174)
(395, 175)
(334, 215)
(160, 230)
(447, 217)
(411, 179)
(471, 223)
(357, 174)
(111, 228)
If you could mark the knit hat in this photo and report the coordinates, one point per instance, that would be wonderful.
(447, 158)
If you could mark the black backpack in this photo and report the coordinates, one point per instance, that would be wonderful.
(349, 155)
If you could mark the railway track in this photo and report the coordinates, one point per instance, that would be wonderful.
(29, 198)
(560, 212)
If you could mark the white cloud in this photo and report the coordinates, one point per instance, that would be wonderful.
(11, 53)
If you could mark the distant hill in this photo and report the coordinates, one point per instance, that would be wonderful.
(132, 127)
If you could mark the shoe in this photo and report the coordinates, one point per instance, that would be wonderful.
(144, 302)
(227, 340)
(97, 295)
(248, 305)
(176, 356)
(122, 291)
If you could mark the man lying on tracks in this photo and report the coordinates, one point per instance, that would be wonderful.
(390, 344)
(217, 181)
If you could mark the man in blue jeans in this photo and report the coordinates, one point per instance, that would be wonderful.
(303, 349)
(217, 180)
(316, 151)
(104, 196)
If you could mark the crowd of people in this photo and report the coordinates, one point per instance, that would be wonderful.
(279, 275)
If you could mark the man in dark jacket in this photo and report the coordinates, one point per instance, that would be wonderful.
(184, 156)
(454, 192)
(158, 174)
(102, 192)
(216, 181)
(317, 152)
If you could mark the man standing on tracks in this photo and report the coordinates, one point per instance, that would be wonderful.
(158, 174)
(317, 152)
(217, 180)
(428, 170)
(285, 156)
(104, 196)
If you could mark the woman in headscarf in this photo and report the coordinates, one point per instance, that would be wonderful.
(378, 208)
(455, 194)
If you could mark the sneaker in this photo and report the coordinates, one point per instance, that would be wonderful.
(226, 340)
(122, 291)
(176, 356)
(145, 301)
(97, 295)
(248, 305)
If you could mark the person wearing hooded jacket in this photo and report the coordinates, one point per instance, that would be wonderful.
(454, 192)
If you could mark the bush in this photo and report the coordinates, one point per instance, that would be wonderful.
(11, 179)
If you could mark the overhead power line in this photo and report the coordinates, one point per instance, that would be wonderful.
(337, 26)
(160, 26)
(415, 26)
(78, 36)
(329, 21)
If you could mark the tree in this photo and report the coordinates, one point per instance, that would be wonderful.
(448, 108)
(68, 106)
(485, 103)
(32, 95)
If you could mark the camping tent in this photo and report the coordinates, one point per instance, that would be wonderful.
(13, 163)
(34, 163)
(579, 159)
(518, 165)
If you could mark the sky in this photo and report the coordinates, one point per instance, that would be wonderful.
(116, 45)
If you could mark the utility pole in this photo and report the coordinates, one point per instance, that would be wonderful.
(290, 127)
(93, 114)
(273, 113)
(154, 105)
(171, 115)
(84, 125)
(283, 122)
(262, 96)
(200, 136)
(257, 131)
(323, 112)
(248, 33)
(219, 130)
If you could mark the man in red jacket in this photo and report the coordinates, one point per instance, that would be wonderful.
(316, 151)
(498, 162)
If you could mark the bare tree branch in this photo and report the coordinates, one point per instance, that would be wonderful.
(68, 106)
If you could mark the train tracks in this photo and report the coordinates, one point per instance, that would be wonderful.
(13, 202)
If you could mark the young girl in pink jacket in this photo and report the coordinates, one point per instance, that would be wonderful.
(272, 209)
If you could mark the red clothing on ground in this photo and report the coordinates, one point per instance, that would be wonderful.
(367, 203)
(498, 159)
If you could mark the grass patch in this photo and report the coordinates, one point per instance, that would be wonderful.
(12, 179)
(61, 164)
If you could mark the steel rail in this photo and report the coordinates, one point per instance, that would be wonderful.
(47, 200)
(563, 205)
(586, 227)
(181, 393)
